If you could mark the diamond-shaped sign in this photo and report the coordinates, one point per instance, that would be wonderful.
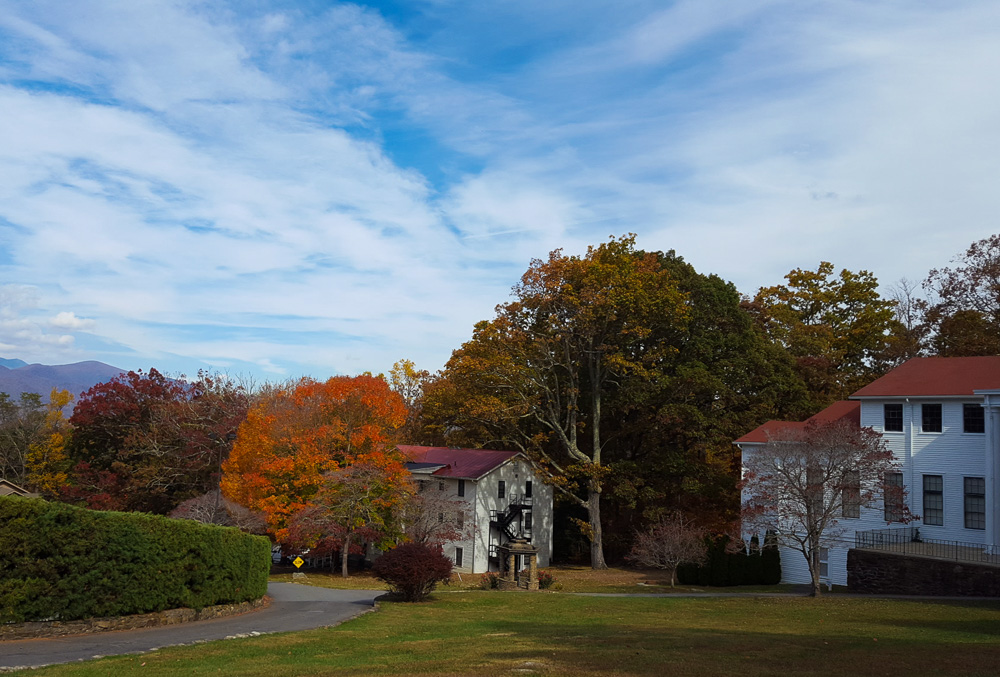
(298, 562)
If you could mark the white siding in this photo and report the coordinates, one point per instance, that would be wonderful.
(514, 474)
(450, 493)
(951, 453)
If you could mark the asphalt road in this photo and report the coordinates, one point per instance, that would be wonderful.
(294, 607)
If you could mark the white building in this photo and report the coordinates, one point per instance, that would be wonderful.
(941, 419)
(502, 496)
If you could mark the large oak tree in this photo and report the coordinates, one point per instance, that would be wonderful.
(539, 375)
(836, 326)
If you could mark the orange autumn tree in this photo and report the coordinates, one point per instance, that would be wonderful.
(297, 441)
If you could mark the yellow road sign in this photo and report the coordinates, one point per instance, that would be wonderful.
(298, 562)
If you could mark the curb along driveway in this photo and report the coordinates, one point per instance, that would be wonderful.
(293, 607)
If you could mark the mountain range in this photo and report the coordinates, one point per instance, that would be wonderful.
(17, 376)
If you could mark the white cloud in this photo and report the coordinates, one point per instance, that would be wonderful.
(21, 334)
(69, 321)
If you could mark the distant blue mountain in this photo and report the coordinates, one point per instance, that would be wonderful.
(41, 378)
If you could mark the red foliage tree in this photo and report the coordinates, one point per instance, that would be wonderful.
(162, 440)
(804, 480)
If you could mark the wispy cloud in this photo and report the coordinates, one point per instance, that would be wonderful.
(308, 188)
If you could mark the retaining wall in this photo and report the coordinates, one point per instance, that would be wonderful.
(877, 572)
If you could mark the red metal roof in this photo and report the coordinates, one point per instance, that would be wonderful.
(936, 377)
(765, 432)
(460, 463)
(838, 411)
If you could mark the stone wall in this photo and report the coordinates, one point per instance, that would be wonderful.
(89, 625)
(876, 572)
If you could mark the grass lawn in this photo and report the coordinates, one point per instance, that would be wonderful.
(494, 633)
(567, 579)
(357, 581)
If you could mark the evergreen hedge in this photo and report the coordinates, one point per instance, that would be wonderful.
(749, 565)
(66, 563)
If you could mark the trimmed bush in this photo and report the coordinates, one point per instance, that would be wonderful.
(748, 565)
(62, 562)
(770, 560)
(545, 579)
(412, 570)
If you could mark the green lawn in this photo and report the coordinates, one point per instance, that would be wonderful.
(567, 579)
(493, 633)
(361, 581)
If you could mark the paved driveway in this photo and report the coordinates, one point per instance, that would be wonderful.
(294, 607)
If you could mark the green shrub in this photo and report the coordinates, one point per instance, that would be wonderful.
(489, 581)
(770, 560)
(62, 562)
(727, 566)
(545, 579)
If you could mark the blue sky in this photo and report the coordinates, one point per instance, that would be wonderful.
(278, 188)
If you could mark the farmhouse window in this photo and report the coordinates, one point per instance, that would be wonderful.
(930, 418)
(973, 418)
(933, 500)
(851, 497)
(893, 418)
(975, 503)
(893, 497)
(501, 489)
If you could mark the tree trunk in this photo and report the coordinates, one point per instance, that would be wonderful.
(344, 551)
(817, 587)
(597, 536)
(594, 497)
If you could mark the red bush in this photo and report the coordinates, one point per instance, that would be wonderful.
(412, 570)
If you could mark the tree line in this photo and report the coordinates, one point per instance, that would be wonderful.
(624, 375)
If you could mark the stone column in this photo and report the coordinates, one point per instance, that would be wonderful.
(533, 571)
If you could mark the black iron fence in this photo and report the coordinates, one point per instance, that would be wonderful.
(908, 541)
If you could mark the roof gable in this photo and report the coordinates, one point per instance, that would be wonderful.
(764, 433)
(838, 411)
(8, 488)
(936, 377)
(458, 463)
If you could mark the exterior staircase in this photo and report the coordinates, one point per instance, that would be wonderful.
(507, 523)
